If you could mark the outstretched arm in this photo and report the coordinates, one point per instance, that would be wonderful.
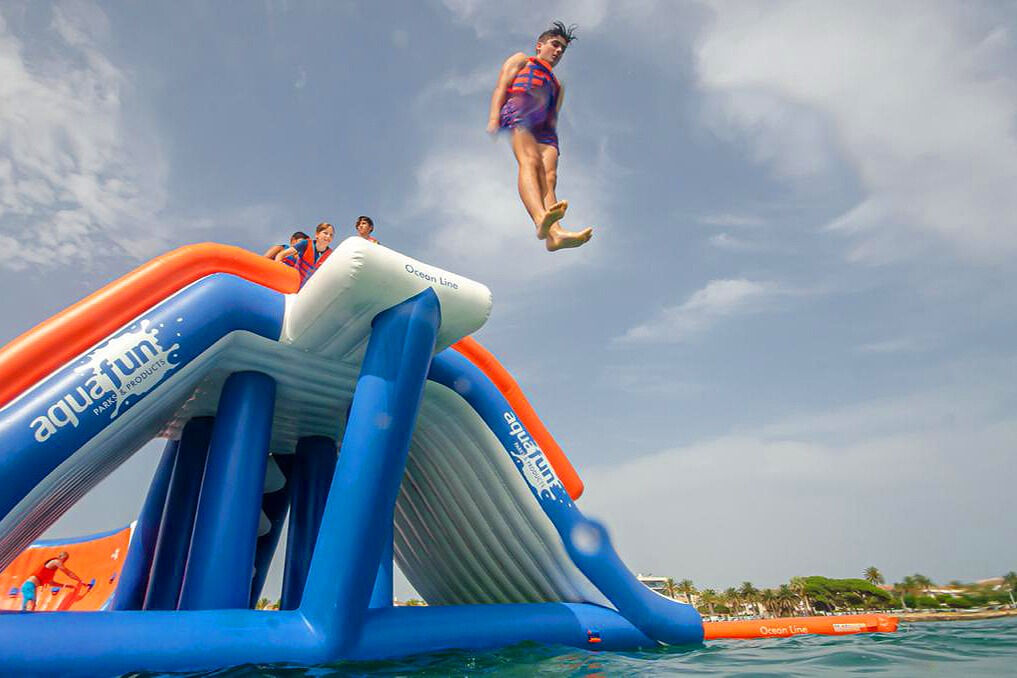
(512, 65)
(273, 250)
(70, 574)
(283, 253)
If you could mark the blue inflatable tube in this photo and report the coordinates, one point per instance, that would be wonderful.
(47, 425)
(337, 617)
(114, 643)
(370, 469)
(401, 631)
(130, 592)
(585, 540)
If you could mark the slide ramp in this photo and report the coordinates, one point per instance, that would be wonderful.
(98, 559)
(483, 521)
(106, 396)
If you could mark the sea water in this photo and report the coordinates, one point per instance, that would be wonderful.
(963, 648)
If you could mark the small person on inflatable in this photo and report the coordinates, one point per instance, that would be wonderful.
(526, 101)
(309, 257)
(276, 249)
(365, 227)
(44, 577)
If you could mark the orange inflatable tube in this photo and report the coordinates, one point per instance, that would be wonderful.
(782, 627)
(77, 328)
(97, 561)
(471, 349)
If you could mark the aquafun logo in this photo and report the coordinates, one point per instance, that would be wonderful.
(127, 366)
(534, 465)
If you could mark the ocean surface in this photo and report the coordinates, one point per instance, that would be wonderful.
(966, 648)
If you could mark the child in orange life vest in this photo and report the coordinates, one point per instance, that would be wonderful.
(310, 256)
(365, 226)
(276, 249)
(44, 577)
(526, 101)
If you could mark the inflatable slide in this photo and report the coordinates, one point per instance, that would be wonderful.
(358, 411)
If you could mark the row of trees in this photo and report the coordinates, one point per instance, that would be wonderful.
(787, 599)
(808, 595)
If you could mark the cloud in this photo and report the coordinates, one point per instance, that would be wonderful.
(918, 100)
(400, 38)
(480, 79)
(732, 220)
(656, 380)
(786, 135)
(725, 241)
(487, 18)
(768, 507)
(704, 308)
(468, 189)
(71, 175)
(900, 345)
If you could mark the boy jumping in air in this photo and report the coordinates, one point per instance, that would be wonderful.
(526, 101)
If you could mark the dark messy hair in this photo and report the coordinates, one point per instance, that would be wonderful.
(559, 30)
(299, 235)
(363, 217)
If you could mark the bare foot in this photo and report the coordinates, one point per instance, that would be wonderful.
(559, 239)
(554, 213)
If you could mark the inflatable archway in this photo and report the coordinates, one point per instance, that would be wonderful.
(360, 408)
(359, 411)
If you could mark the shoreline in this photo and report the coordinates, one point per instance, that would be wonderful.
(954, 616)
(923, 616)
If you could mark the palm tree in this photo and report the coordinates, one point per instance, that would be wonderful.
(709, 598)
(1010, 582)
(787, 599)
(923, 583)
(874, 576)
(900, 588)
(916, 584)
(799, 586)
(912, 587)
(685, 586)
(732, 600)
(768, 598)
(750, 594)
(670, 588)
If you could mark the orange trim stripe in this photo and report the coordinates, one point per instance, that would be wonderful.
(793, 626)
(471, 349)
(54, 342)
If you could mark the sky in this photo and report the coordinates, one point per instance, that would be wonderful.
(788, 349)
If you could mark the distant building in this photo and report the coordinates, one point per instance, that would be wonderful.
(946, 590)
(653, 583)
(994, 582)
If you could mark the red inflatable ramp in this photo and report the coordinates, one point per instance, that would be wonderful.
(97, 559)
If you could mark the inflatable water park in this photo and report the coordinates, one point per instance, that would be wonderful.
(359, 412)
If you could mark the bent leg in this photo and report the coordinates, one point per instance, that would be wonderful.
(532, 183)
(557, 237)
(28, 596)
